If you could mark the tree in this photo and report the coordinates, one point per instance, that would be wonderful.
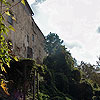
(87, 69)
(63, 80)
(88, 72)
(98, 62)
(52, 43)
(60, 61)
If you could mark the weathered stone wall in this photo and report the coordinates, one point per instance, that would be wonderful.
(27, 34)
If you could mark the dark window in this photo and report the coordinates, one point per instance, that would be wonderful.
(32, 24)
(32, 37)
(29, 52)
(27, 38)
(10, 20)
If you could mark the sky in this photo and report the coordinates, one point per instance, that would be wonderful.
(75, 21)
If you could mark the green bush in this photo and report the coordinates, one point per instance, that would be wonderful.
(43, 96)
(76, 75)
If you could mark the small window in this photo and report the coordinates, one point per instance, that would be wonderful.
(32, 24)
(32, 37)
(10, 20)
(29, 52)
(27, 38)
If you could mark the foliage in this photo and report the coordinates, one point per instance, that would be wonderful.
(3, 83)
(4, 87)
(23, 71)
(63, 81)
(98, 62)
(39, 68)
(43, 96)
(76, 75)
(5, 55)
(96, 98)
(88, 69)
(52, 43)
(60, 61)
(56, 80)
(88, 72)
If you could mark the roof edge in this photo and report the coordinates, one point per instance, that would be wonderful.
(27, 4)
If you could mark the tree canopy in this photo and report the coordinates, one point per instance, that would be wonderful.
(52, 43)
(63, 80)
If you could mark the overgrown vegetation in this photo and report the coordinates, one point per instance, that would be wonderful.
(59, 79)
(63, 81)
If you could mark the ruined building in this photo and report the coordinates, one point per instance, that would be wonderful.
(27, 40)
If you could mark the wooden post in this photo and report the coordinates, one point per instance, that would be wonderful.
(37, 85)
(34, 85)
(24, 82)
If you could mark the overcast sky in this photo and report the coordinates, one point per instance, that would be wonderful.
(75, 21)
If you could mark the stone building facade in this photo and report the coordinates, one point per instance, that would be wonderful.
(27, 40)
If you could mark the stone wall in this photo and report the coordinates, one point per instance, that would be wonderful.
(27, 40)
